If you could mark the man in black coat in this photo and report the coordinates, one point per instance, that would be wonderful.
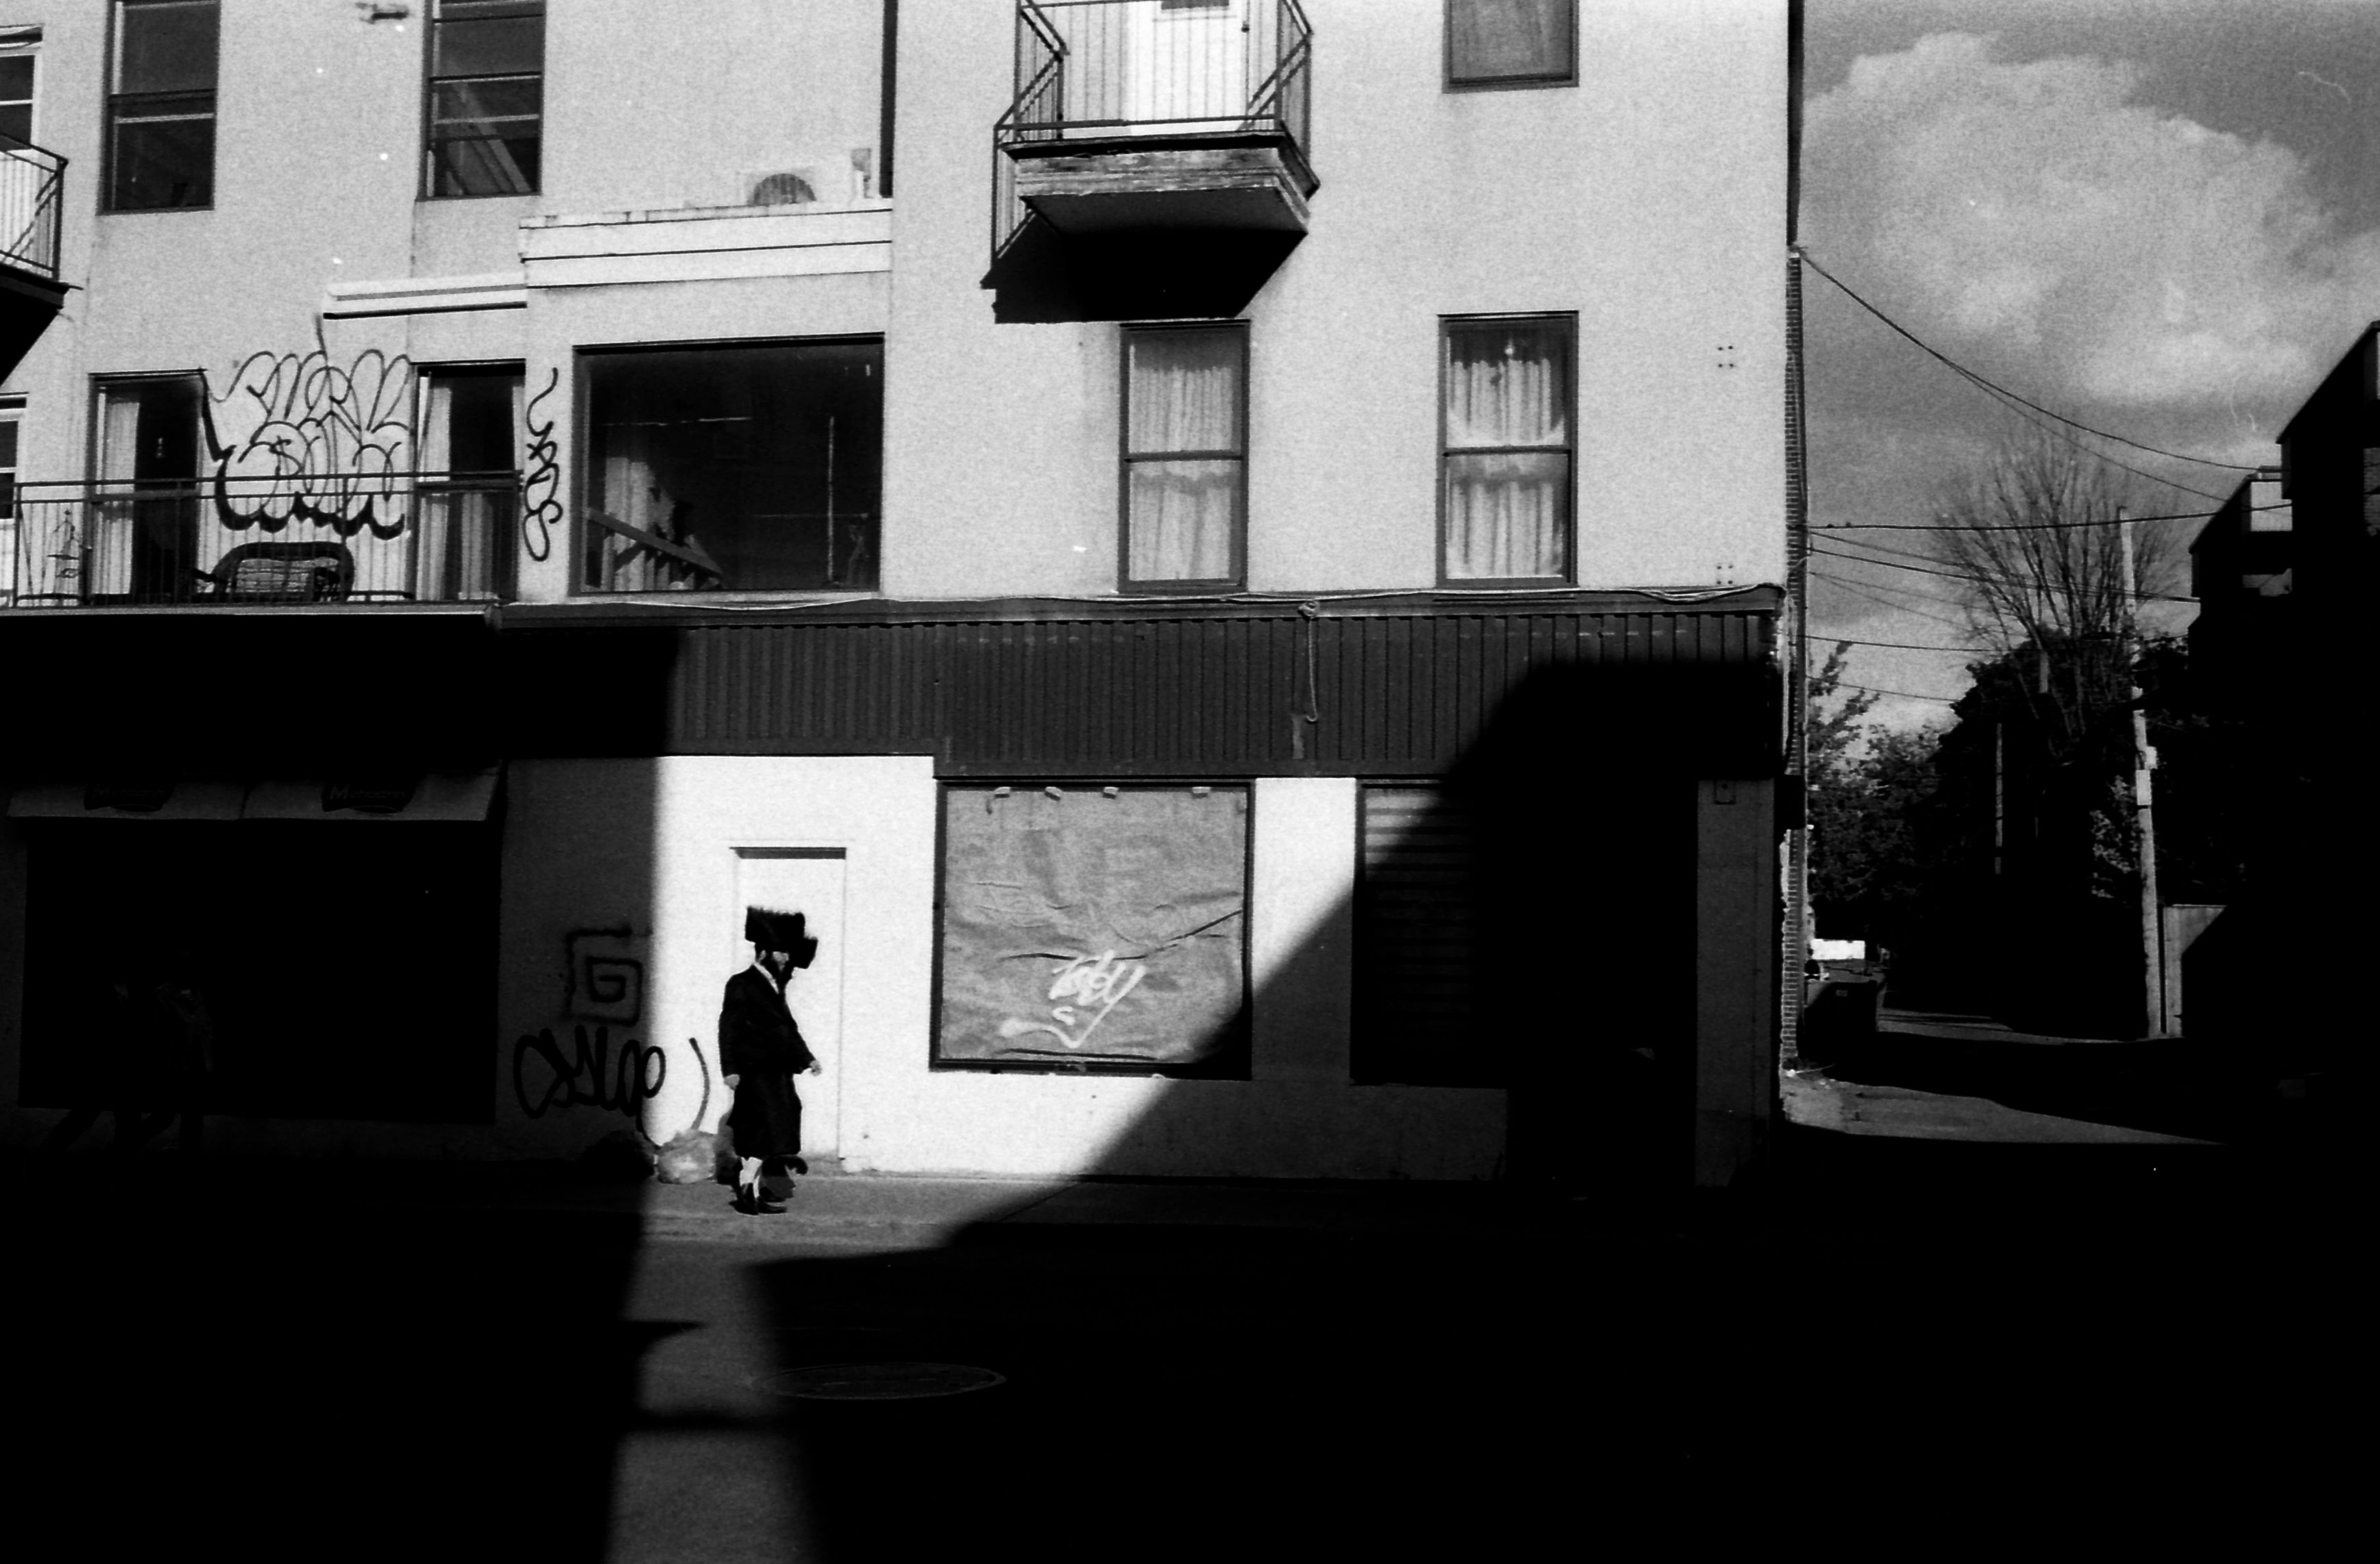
(761, 1050)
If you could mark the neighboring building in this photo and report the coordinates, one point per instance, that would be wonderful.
(1217, 549)
(2281, 630)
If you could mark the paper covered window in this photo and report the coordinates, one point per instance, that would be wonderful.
(1095, 928)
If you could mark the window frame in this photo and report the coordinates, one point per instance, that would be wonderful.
(110, 110)
(1126, 456)
(1568, 320)
(1234, 1062)
(428, 166)
(583, 479)
(26, 46)
(1452, 83)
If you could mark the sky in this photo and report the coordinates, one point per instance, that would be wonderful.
(2158, 217)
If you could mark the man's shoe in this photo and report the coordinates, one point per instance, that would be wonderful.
(752, 1203)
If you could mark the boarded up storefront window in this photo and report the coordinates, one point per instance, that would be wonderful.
(1095, 928)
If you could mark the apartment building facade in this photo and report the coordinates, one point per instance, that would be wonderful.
(1223, 554)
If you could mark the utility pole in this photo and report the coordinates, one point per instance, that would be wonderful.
(2143, 807)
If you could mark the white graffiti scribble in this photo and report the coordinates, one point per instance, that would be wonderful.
(295, 437)
(1083, 982)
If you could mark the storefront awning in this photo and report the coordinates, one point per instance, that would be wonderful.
(431, 797)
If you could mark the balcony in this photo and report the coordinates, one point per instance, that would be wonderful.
(31, 179)
(292, 538)
(1149, 116)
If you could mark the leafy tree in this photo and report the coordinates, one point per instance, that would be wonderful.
(1868, 786)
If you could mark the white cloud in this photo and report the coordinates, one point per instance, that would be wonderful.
(2037, 220)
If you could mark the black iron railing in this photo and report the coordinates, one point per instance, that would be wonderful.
(1101, 72)
(292, 537)
(31, 180)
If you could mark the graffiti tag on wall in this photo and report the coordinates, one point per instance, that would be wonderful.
(541, 485)
(295, 437)
(603, 979)
(591, 1077)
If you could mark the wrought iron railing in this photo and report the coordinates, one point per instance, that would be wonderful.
(1092, 72)
(31, 180)
(294, 538)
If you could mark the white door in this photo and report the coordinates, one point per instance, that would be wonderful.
(1188, 71)
(806, 881)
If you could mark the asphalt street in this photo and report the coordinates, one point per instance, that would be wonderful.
(1993, 1333)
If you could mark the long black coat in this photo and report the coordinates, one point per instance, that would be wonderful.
(761, 1045)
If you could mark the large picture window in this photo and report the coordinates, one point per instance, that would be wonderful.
(1506, 448)
(487, 98)
(1087, 928)
(1512, 42)
(161, 105)
(743, 468)
(1185, 469)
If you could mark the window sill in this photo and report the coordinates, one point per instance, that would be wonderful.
(150, 211)
(1516, 84)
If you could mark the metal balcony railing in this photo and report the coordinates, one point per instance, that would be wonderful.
(409, 537)
(31, 179)
(1112, 73)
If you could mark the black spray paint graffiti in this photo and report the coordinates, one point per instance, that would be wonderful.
(592, 1079)
(600, 980)
(298, 438)
(541, 485)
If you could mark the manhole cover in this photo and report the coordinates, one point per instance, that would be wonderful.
(880, 1381)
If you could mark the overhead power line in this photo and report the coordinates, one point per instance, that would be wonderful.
(1873, 590)
(1999, 390)
(1969, 575)
(1905, 694)
(1938, 526)
(1896, 646)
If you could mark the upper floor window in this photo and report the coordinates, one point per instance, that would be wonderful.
(487, 98)
(752, 467)
(1506, 448)
(161, 105)
(19, 48)
(1186, 467)
(1512, 42)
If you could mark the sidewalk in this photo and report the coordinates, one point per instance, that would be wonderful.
(878, 1211)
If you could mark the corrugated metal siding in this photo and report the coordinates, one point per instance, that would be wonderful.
(1244, 694)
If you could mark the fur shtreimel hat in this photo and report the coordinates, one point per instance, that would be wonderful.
(770, 929)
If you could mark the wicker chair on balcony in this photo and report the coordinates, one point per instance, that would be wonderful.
(282, 573)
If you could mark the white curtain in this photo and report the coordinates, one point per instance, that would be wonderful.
(1506, 509)
(431, 532)
(113, 518)
(1184, 395)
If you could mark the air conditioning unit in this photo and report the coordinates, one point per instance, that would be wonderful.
(788, 186)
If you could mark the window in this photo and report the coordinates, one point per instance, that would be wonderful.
(1419, 1017)
(487, 98)
(1087, 927)
(743, 468)
(1512, 42)
(161, 105)
(466, 505)
(1185, 470)
(1506, 449)
(17, 49)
